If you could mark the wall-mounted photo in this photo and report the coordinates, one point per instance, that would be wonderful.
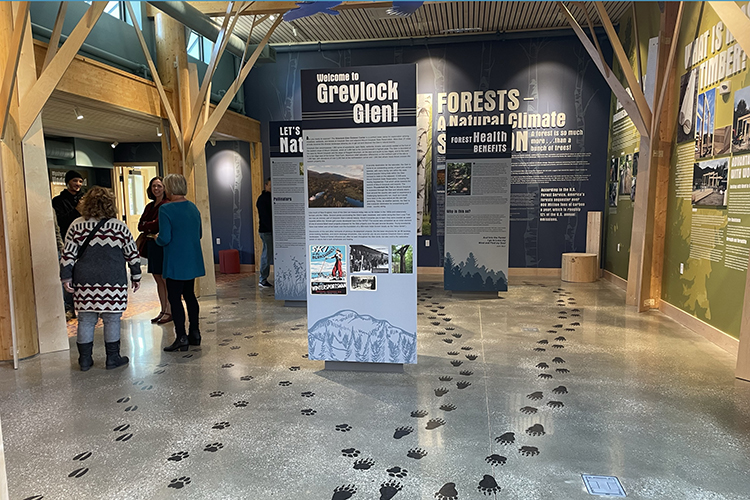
(636, 157)
(440, 176)
(364, 283)
(368, 259)
(459, 179)
(301, 168)
(710, 183)
(402, 259)
(614, 176)
(686, 115)
(328, 269)
(741, 121)
(336, 186)
(626, 174)
(705, 113)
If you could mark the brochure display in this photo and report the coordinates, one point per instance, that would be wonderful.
(288, 198)
(360, 166)
(477, 208)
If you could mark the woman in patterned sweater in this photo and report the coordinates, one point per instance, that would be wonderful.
(95, 274)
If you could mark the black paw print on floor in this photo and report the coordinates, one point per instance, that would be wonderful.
(506, 439)
(285, 383)
(227, 365)
(363, 463)
(350, 452)
(216, 394)
(457, 335)
(558, 360)
(252, 354)
(402, 431)
(434, 423)
(457, 362)
(82, 456)
(448, 341)
(450, 328)
(293, 368)
(540, 349)
(463, 384)
(536, 430)
(488, 485)
(389, 489)
(555, 404)
(344, 492)
(123, 400)
(495, 460)
(179, 483)
(448, 407)
(528, 451)
(535, 396)
(560, 390)
(466, 373)
(397, 472)
(79, 472)
(234, 347)
(528, 410)
(542, 366)
(558, 346)
(416, 453)
(471, 357)
(178, 457)
(220, 426)
(445, 378)
(131, 408)
(467, 348)
(241, 404)
(543, 342)
(213, 447)
(246, 378)
(447, 492)
(562, 370)
(560, 339)
(452, 353)
(307, 394)
(441, 391)
(343, 427)
(308, 412)
(545, 376)
(419, 413)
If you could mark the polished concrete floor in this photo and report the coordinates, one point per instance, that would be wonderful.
(511, 398)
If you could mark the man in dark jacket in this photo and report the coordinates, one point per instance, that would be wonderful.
(266, 233)
(66, 211)
(66, 203)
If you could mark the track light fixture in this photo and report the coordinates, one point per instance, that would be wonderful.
(79, 115)
(114, 144)
(158, 131)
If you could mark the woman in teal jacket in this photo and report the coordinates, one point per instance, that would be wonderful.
(180, 234)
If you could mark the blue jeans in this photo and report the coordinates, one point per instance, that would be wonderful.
(87, 324)
(266, 258)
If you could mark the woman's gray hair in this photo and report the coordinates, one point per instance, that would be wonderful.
(176, 184)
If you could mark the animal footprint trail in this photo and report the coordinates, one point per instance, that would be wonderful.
(447, 492)
(488, 485)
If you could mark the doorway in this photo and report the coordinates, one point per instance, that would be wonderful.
(131, 182)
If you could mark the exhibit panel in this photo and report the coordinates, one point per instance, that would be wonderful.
(288, 205)
(360, 161)
(708, 220)
(538, 86)
(477, 208)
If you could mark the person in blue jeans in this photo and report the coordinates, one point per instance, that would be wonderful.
(180, 233)
(265, 229)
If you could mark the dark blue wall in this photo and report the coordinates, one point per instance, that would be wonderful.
(230, 196)
(555, 73)
(135, 152)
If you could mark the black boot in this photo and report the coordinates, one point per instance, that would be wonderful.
(85, 361)
(113, 355)
(180, 344)
(194, 337)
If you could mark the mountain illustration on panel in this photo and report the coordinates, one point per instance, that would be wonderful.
(469, 276)
(349, 336)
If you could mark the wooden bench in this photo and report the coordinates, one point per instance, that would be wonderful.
(579, 267)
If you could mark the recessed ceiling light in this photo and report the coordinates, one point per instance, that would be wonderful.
(272, 17)
(79, 115)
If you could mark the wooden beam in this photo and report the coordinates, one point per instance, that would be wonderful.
(34, 100)
(614, 84)
(221, 108)
(155, 74)
(11, 65)
(637, 38)
(735, 21)
(221, 42)
(54, 40)
(582, 6)
(216, 9)
(627, 70)
(665, 80)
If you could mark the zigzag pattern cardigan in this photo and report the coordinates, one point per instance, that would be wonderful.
(99, 278)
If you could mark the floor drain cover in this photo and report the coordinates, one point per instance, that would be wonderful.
(606, 486)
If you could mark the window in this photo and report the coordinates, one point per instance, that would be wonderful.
(199, 47)
(119, 11)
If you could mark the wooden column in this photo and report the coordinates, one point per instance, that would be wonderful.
(50, 316)
(257, 182)
(743, 353)
(199, 176)
(170, 48)
(16, 225)
(645, 267)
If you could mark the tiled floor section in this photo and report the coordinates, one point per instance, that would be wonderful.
(511, 398)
